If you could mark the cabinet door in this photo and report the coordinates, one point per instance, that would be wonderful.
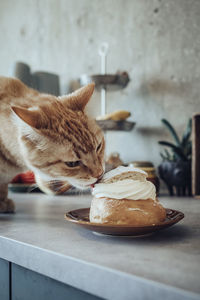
(4, 279)
(30, 285)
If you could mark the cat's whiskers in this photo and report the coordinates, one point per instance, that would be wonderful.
(58, 186)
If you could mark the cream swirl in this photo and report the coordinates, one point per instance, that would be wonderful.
(125, 189)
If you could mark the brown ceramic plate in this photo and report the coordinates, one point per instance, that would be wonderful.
(81, 218)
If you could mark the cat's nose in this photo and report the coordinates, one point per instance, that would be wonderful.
(98, 178)
(99, 175)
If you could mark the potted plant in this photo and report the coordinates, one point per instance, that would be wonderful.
(175, 170)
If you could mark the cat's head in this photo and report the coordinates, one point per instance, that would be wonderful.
(59, 141)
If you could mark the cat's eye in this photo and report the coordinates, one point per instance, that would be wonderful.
(99, 147)
(72, 164)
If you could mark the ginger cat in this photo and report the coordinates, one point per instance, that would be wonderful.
(52, 136)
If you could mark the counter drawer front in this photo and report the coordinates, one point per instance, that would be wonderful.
(30, 285)
(4, 279)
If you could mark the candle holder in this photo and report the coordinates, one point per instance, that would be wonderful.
(107, 83)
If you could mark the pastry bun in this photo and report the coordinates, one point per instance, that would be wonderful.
(125, 197)
(126, 212)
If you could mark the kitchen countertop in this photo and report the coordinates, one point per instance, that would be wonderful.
(163, 266)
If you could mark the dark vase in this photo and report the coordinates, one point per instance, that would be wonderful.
(177, 176)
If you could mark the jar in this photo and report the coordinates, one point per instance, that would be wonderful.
(149, 168)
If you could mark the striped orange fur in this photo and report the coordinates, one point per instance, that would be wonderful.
(49, 135)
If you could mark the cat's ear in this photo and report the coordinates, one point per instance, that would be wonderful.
(78, 99)
(30, 117)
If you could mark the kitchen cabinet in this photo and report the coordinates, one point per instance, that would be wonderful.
(4, 280)
(30, 285)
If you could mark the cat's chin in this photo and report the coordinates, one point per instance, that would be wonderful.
(82, 187)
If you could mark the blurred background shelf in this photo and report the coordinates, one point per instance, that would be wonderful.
(111, 82)
(115, 125)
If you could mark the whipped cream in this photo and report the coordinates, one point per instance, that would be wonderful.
(125, 189)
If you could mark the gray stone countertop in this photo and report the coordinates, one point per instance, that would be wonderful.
(163, 266)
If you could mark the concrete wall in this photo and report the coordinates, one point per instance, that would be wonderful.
(156, 41)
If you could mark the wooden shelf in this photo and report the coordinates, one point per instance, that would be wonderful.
(115, 125)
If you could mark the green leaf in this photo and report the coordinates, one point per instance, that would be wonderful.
(168, 154)
(188, 149)
(187, 133)
(163, 156)
(172, 131)
(175, 158)
(177, 150)
(168, 144)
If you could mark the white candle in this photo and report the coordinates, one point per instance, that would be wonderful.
(103, 50)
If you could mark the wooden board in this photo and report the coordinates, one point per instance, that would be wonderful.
(196, 155)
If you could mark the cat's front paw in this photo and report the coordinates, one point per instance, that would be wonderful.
(7, 206)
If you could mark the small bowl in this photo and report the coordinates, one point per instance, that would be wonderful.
(22, 187)
(81, 217)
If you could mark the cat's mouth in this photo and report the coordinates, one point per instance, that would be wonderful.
(82, 185)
